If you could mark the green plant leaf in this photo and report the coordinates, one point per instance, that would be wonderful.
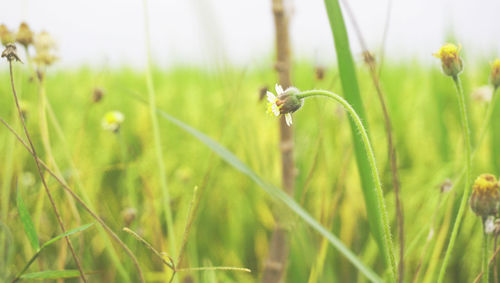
(52, 274)
(350, 87)
(68, 233)
(29, 227)
(276, 193)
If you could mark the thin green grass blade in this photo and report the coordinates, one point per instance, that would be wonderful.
(29, 227)
(351, 92)
(68, 233)
(276, 193)
(51, 274)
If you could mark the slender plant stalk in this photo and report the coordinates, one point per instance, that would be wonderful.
(486, 270)
(157, 139)
(79, 200)
(388, 250)
(391, 149)
(468, 175)
(495, 267)
(49, 194)
(275, 266)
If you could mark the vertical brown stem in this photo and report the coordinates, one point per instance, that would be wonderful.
(278, 250)
(49, 194)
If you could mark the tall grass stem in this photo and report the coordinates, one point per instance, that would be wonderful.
(468, 175)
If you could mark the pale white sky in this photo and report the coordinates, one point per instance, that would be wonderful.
(203, 31)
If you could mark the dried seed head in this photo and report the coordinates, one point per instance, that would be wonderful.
(10, 52)
(485, 196)
(97, 94)
(6, 36)
(451, 62)
(45, 47)
(495, 73)
(24, 35)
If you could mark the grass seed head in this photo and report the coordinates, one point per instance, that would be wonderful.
(451, 62)
(485, 196)
(495, 73)
(6, 36)
(24, 35)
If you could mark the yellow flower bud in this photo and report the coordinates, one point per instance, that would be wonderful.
(451, 62)
(495, 73)
(485, 196)
(24, 35)
(6, 36)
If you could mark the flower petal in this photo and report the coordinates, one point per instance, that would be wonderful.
(288, 118)
(279, 90)
(271, 97)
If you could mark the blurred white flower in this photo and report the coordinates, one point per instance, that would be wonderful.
(483, 93)
(112, 121)
(278, 101)
(489, 225)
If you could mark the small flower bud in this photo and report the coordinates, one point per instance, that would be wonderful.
(495, 74)
(97, 94)
(24, 35)
(6, 36)
(10, 52)
(485, 197)
(129, 215)
(285, 103)
(451, 62)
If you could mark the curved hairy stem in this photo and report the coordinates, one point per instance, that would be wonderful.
(388, 250)
(468, 173)
(49, 194)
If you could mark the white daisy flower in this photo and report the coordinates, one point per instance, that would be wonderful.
(112, 121)
(275, 103)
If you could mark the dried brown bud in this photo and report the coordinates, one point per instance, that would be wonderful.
(129, 215)
(495, 73)
(485, 196)
(10, 52)
(320, 73)
(262, 92)
(24, 35)
(6, 36)
(97, 94)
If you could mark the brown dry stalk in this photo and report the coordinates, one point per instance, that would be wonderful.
(278, 250)
(46, 187)
(79, 200)
(370, 61)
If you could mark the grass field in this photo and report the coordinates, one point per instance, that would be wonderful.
(116, 173)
